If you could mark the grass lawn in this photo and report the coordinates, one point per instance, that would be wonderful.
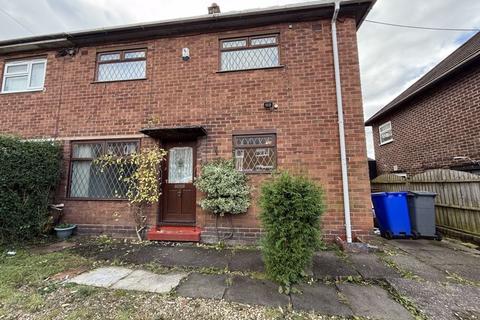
(29, 290)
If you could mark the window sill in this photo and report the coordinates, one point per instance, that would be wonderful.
(113, 81)
(386, 142)
(22, 91)
(257, 172)
(253, 69)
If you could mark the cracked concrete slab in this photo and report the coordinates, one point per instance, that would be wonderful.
(370, 267)
(328, 265)
(373, 302)
(193, 257)
(140, 280)
(321, 298)
(101, 277)
(259, 292)
(441, 302)
(246, 260)
(196, 285)
(419, 268)
(128, 279)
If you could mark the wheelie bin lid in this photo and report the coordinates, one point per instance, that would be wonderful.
(384, 194)
(421, 194)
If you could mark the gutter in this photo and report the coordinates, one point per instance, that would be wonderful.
(341, 125)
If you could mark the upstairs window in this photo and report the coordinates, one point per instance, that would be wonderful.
(88, 181)
(385, 131)
(26, 75)
(121, 65)
(255, 153)
(249, 53)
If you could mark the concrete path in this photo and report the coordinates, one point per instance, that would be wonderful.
(128, 279)
(325, 299)
(441, 302)
(437, 261)
(440, 279)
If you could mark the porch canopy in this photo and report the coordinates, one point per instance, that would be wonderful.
(175, 133)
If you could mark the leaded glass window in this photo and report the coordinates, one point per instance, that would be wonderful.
(86, 178)
(249, 53)
(121, 65)
(255, 152)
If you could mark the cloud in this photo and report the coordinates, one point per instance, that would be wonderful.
(391, 58)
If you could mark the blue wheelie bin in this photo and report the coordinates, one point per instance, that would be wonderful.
(391, 210)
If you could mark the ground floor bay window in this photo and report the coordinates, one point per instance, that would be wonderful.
(87, 180)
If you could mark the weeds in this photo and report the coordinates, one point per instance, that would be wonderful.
(404, 301)
(458, 278)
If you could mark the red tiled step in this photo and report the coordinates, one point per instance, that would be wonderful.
(174, 233)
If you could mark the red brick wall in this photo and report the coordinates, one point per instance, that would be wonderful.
(194, 93)
(429, 131)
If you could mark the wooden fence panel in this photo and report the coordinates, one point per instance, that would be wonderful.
(457, 205)
(389, 183)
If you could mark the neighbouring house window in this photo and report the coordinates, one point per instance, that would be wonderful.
(249, 53)
(255, 152)
(86, 178)
(121, 65)
(25, 75)
(386, 132)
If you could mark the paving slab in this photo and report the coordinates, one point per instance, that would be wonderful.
(441, 301)
(193, 257)
(328, 265)
(446, 256)
(117, 251)
(141, 280)
(421, 244)
(101, 277)
(468, 272)
(419, 268)
(370, 267)
(374, 302)
(246, 260)
(197, 285)
(257, 292)
(322, 298)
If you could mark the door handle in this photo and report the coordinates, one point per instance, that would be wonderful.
(179, 193)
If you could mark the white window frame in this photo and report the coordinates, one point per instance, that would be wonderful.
(27, 73)
(387, 126)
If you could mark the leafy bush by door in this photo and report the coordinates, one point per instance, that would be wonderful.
(226, 189)
(29, 173)
(291, 207)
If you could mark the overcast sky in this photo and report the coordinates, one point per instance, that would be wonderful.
(391, 58)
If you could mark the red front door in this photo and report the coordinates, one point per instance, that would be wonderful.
(178, 191)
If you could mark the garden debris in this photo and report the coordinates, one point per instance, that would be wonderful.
(65, 275)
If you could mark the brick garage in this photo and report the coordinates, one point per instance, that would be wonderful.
(438, 123)
(73, 107)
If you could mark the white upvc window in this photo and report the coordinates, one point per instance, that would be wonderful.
(25, 75)
(385, 131)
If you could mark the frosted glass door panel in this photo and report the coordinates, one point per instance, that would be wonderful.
(180, 165)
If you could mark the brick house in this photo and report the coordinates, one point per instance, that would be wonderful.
(258, 85)
(435, 123)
